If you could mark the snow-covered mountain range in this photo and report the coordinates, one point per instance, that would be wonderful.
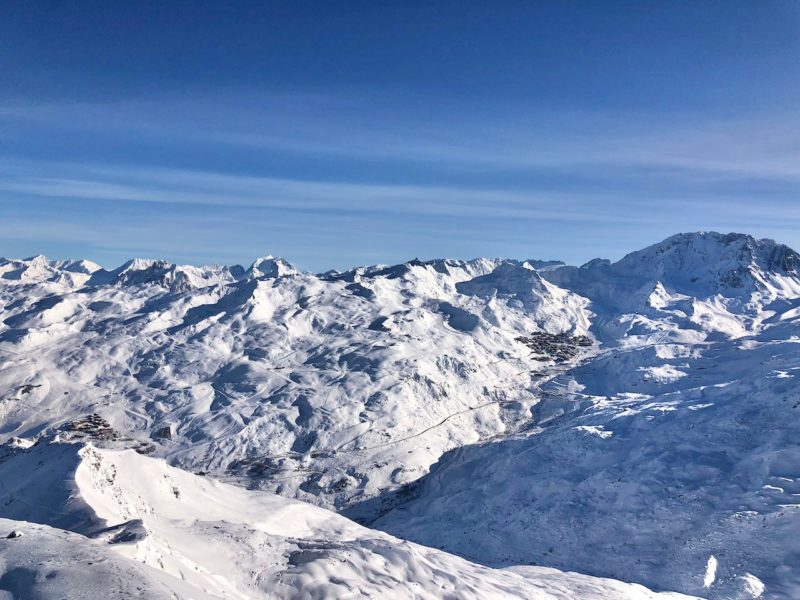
(635, 420)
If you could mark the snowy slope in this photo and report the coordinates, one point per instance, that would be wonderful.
(314, 386)
(641, 471)
(688, 288)
(153, 529)
(629, 419)
(672, 451)
(36, 269)
(47, 563)
(698, 264)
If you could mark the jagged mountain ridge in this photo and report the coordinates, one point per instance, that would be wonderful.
(702, 264)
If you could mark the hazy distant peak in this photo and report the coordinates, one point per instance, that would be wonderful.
(271, 266)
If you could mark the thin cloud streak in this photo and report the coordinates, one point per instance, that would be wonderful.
(182, 187)
(346, 127)
(332, 182)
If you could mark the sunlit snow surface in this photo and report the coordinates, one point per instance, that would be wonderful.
(628, 420)
(149, 530)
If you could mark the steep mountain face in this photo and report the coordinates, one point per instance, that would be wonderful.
(269, 266)
(701, 265)
(712, 263)
(697, 287)
(632, 419)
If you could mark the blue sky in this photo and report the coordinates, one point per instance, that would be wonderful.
(343, 133)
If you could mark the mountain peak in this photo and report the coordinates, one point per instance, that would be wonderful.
(39, 269)
(142, 264)
(699, 265)
(271, 267)
(712, 261)
(147, 271)
(39, 259)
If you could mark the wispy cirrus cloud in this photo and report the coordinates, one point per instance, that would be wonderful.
(173, 186)
(375, 126)
(362, 180)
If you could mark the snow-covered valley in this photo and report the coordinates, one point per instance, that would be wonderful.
(191, 431)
